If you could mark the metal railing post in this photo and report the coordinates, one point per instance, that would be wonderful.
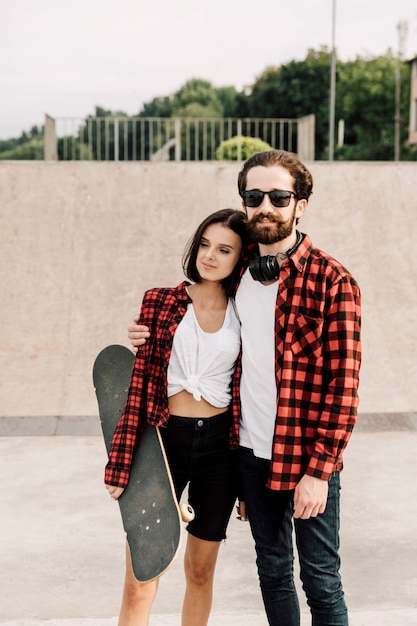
(239, 140)
(116, 139)
(177, 139)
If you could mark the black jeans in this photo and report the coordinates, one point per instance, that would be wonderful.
(270, 517)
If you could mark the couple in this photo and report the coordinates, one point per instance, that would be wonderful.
(282, 410)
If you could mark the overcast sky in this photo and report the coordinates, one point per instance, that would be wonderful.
(64, 58)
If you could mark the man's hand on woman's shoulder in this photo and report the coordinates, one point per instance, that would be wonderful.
(137, 333)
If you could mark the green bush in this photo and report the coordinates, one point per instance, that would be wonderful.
(227, 150)
(31, 150)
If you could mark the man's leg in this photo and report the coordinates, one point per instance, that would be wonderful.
(270, 515)
(318, 550)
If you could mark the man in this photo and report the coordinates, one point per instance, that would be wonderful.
(295, 391)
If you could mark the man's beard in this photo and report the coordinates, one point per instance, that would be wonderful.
(270, 235)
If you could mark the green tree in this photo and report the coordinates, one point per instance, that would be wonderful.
(28, 146)
(196, 109)
(198, 98)
(158, 107)
(230, 99)
(31, 150)
(197, 92)
(295, 90)
(366, 103)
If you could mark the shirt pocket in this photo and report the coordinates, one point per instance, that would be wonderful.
(307, 338)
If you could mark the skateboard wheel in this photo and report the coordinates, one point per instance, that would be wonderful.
(187, 512)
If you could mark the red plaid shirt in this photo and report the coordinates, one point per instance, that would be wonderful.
(318, 355)
(147, 402)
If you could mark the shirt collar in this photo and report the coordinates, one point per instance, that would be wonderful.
(299, 257)
(182, 294)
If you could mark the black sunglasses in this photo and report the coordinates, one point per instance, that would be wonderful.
(279, 198)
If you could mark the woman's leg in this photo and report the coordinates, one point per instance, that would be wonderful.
(137, 598)
(198, 452)
(199, 565)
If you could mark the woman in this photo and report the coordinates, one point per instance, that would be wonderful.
(195, 330)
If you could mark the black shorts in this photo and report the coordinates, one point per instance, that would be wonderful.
(199, 453)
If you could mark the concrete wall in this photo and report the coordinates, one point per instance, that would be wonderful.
(80, 242)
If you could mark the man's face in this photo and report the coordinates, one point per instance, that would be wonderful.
(268, 224)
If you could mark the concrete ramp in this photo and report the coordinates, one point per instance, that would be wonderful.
(80, 242)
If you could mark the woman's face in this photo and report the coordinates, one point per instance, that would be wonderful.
(218, 253)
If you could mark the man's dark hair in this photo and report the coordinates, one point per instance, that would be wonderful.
(303, 186)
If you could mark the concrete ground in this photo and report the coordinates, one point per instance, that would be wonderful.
(62, 544)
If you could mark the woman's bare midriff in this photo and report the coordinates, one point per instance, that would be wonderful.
(185, 405)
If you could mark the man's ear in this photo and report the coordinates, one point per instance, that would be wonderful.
(301, 207)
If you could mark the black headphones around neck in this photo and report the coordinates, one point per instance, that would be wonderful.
(266, 268)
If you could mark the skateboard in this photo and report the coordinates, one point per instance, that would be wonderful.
(150, 512)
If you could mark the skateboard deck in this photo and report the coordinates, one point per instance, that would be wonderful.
(149, 509)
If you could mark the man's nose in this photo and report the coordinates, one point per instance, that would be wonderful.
(266, 205)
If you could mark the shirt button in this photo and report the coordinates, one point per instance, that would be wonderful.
(200, 423)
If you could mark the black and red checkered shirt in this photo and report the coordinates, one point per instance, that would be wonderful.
(147, 402)
(318, 355)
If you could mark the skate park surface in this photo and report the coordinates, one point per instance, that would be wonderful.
(62, 542)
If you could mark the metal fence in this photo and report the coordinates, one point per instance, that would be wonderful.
(171, 139)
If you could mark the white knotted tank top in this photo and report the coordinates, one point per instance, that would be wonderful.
(203, 363)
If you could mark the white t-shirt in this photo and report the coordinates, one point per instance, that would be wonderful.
(203, 363)
(255, 304)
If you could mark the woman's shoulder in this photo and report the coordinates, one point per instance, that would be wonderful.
(163, 294)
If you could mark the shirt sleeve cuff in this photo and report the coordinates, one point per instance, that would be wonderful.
(321, 466)
(116, 477)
